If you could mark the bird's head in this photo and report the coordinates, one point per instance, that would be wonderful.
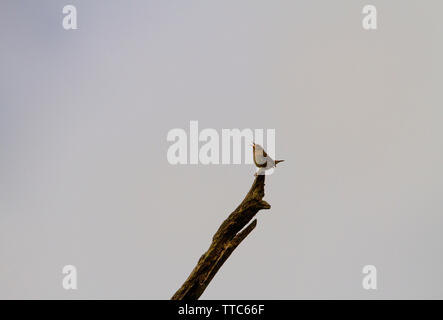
(256, 146)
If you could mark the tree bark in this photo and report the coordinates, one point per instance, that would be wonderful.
(228, 236)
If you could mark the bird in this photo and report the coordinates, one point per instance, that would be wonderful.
(261, 159)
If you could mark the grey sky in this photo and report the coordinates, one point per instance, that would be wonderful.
(84, 178)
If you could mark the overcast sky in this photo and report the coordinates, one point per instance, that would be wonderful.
(85, 181)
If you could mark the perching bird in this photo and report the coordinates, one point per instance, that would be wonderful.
(262, 160)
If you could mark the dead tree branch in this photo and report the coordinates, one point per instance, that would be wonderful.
(228, 236)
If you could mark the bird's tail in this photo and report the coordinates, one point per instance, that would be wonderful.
(278, 161)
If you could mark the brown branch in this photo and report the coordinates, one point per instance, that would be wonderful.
(228, 236)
